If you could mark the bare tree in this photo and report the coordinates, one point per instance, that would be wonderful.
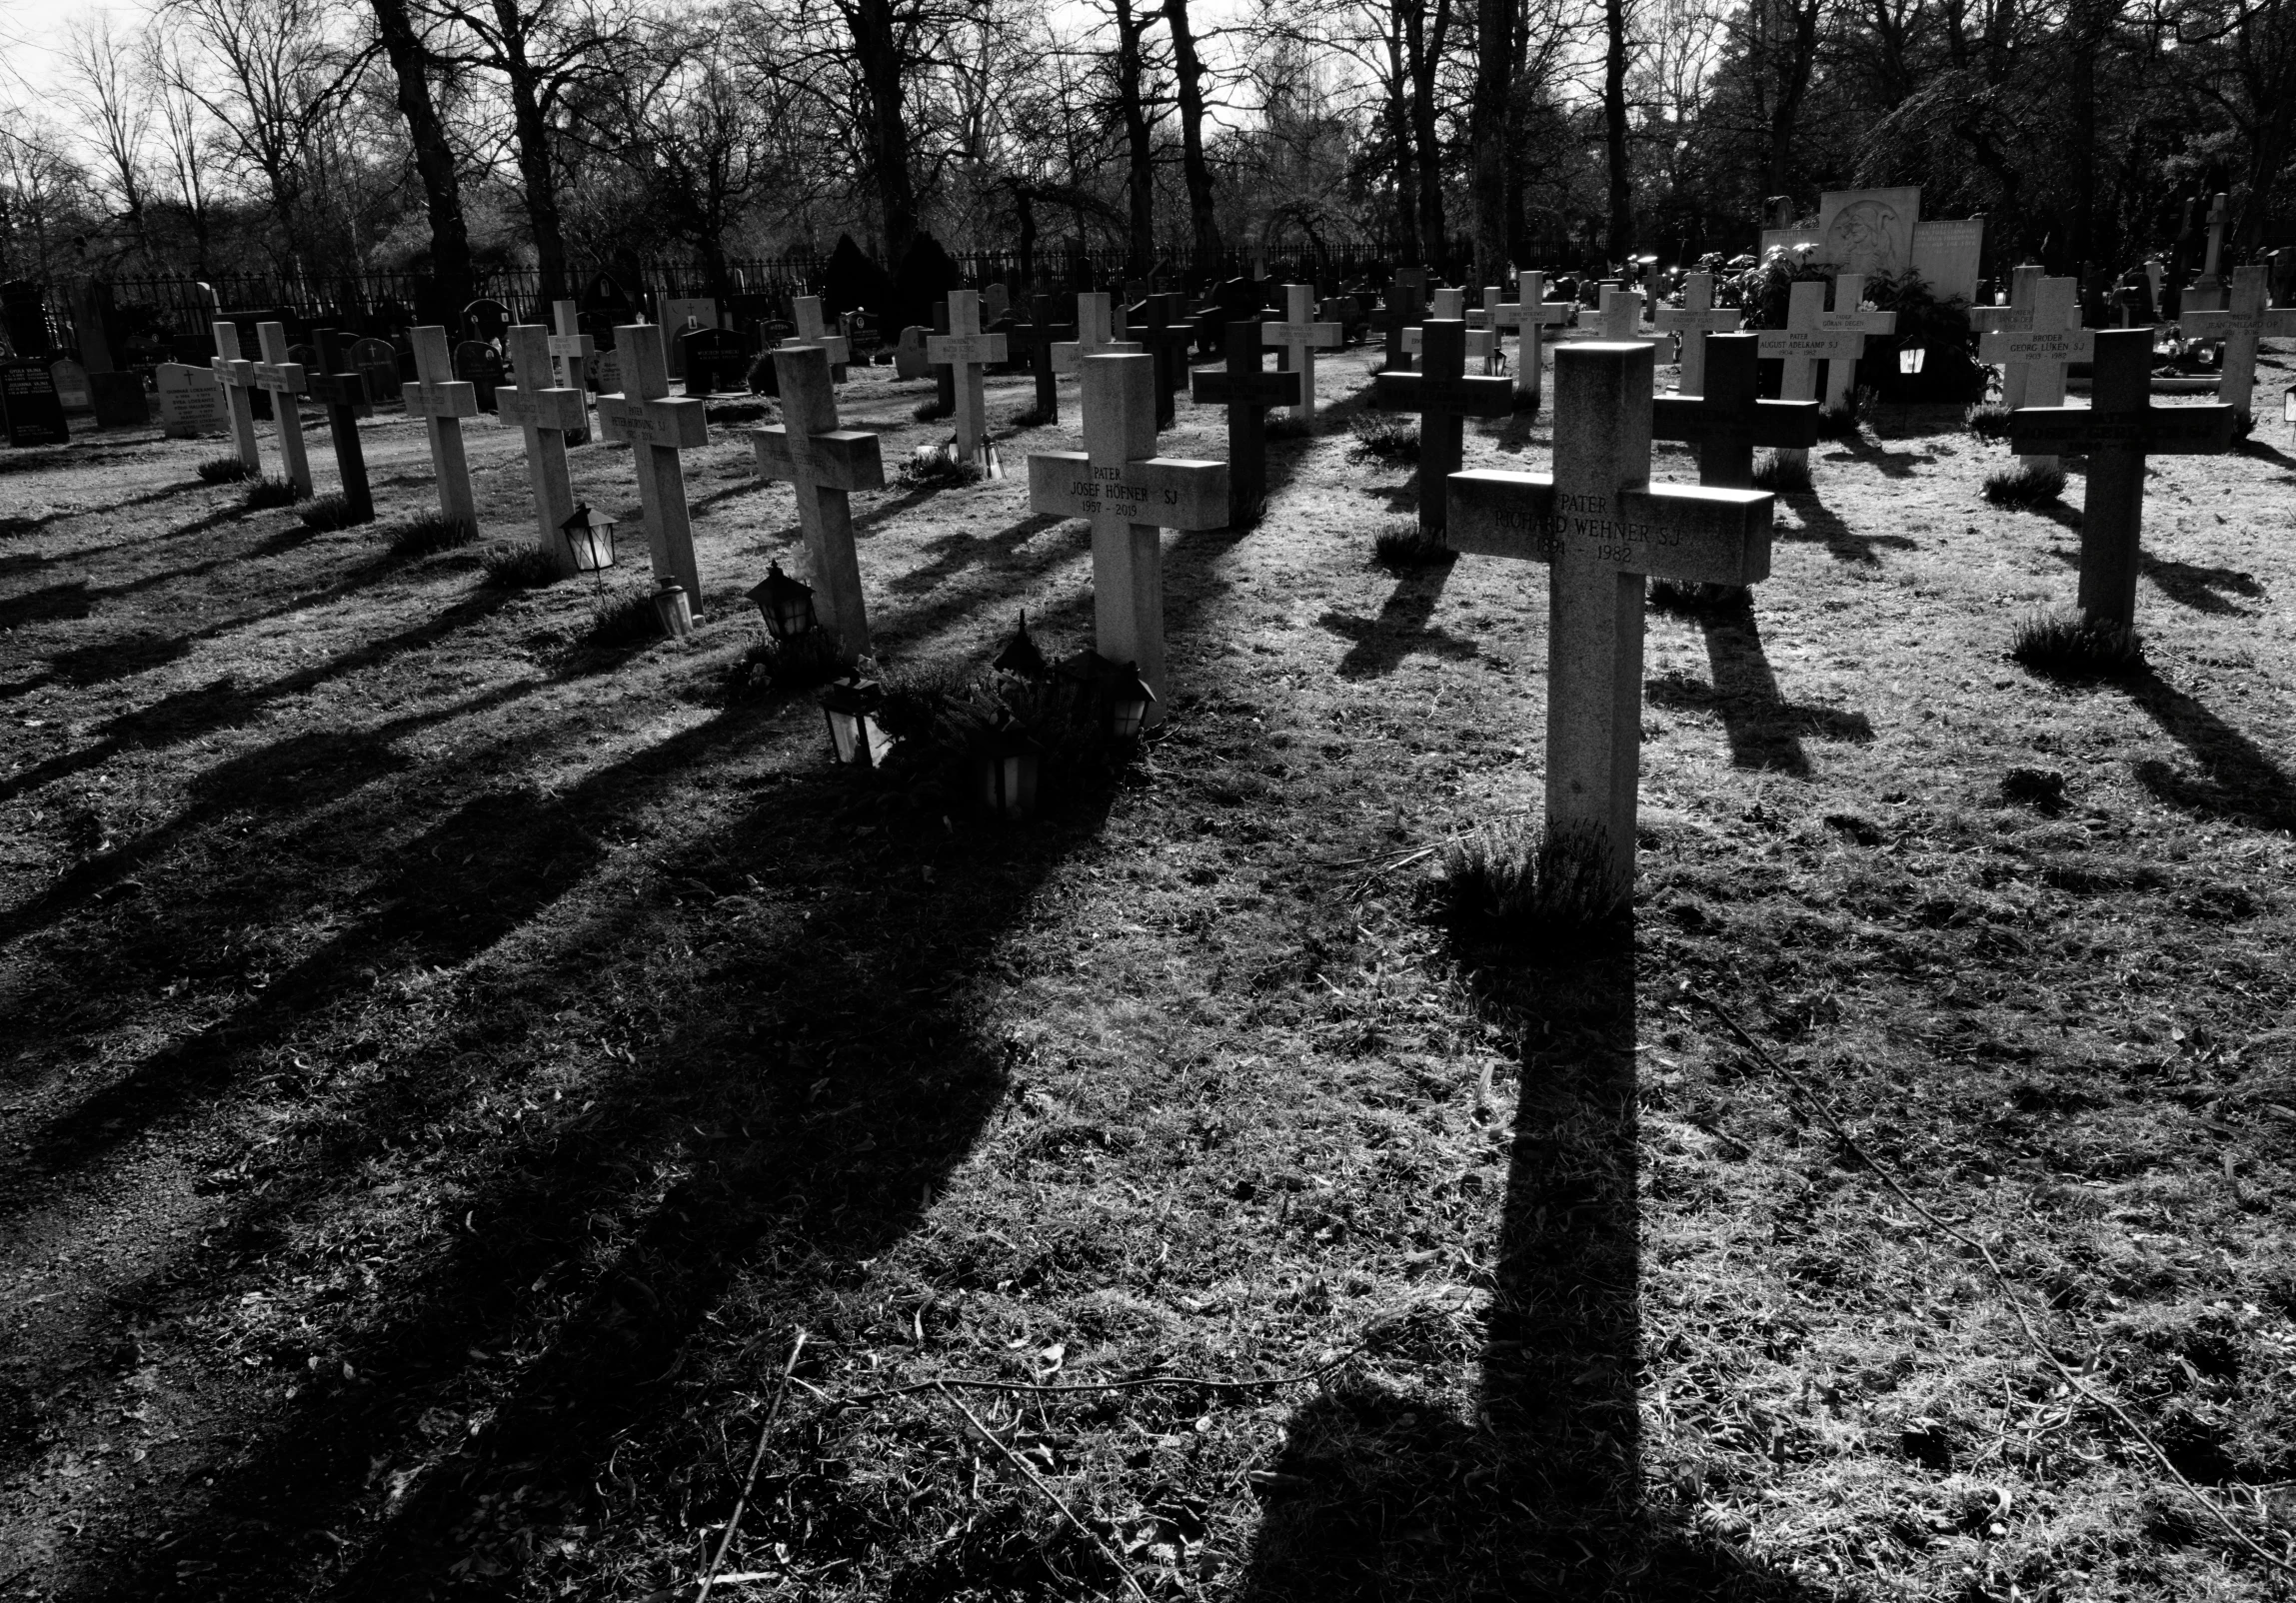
(105, 88)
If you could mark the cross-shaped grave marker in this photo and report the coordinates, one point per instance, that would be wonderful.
(1804, 343)
(1042, 338)
(283, 381)
(965, 350)
(1601, 528)
(2119, 428)
(1249, 391)
(657, 428)
(1444, 398)
(571, 354)
(1620, 318)
(1529, 313)
(2240, 326)
(1848, 314)
(1099, 332)
(2207, 293)
(1727, 420)
(1132, 495)
(443, 400)
(1691, 322)
(1402, 307)
(237, 376)
(548, 413)
(943, 376)
(2033, 339)
(1449, 305)
(343, 392)
(1296, 340)
(806, 314)
(1169, 343)
(823, 464)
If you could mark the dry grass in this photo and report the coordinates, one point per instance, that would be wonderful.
(623, 617)
(1987, 419)
(223, 470)
(1400, 542)
(1384, 437)
(518, 564)
(2064, 644)
(425, 533)
(263, 494)
(1781, 473)
(326, 513)
(2024, 484)
(1525, 884)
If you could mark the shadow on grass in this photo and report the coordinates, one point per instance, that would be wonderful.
(1890, 464)
(1763, 727)
(1400, 630)
(2202, 588)
(2237, 780)
(1843, 542)
(953, 554)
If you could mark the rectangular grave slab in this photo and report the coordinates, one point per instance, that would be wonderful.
(34, 413)
(190, 400)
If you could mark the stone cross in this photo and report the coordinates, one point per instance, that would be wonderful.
(2245, 321)
(823, 464)
(1444, 397)
(2207, 293)
(1402, 307)
(1450, 305)
(2033, 338)
(2119, 428)
(1041, 337)
(548, 413)
(237, 376)
(943, 376)
(1249, 391)
(1169, 343)
(657, 428)
(284, 379)
(342, 393)
(1602, 529)
(1804, 343)
(1529, 313)
(1296, 340)
(1132, 495)
(805, 313)
(571, 353)
(1691, 322)
(965, 350)
(1726, 421)
(1620, 318)
(444, 401)
(1841, 372)
(1098, 333)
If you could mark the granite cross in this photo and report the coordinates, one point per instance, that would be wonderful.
(1449, 305)
(1529, 313)
(284, 381)
(1296, 340)
(1444, 397)
(1726, 421)
(1041, 337)
(1401, 307)
(657, 428)
(2033, 339)
(571, 354)
(1168, 344)
(1620, 318)
(1132, 495)
(1099, 332)
(237, 376)
(805, 311)
(2207, 293)
(1602, 528)
(2240, 326)
(443, 399)
(1804, 343)
(548, 413)
(823, 464)
(1249, 391)
(1848, 314)
(343, 392)
(1691, 322)
(2119, 428)
(965, 350)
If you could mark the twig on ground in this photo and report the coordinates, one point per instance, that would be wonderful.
(2071, 1378)
(750, 1481)
(1134, 1383)
(1051, 1496)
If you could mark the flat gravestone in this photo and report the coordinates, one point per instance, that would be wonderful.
(28, 399)
(606, 373)
(190, 400)
(71, 385)
(377, 363)
(481, 368)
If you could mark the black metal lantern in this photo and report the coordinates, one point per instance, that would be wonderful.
(852, 705)
(1130, 697)
(1006, 763)
(590, 537)
(1021, 655)
(788, 603)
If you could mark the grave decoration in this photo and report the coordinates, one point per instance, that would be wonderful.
(484, 321)
(190, 400)
(589, 541)
(1099, 332)
(1041, 337)
(283, 381)
(237, 376)
(811, 329)
(547, 413)
(657, 428)
(28, 402)
(1296, 340)
(2119, 428)
(1802, 344)
(823, 464)
(1602, 529)
(480, 366)
(965, 350)
(1726, 421)
(2244, 321)
(374, 361)
(1850, 315)
(2033, 339)
(1690, 323)
(443, 401)
(1131, 495)
(1249, 391)
(717, 362)
(572, 354)
(71, 385)
(333, 383)
(1445, 397)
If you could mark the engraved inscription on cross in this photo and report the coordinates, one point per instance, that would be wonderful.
(237, 377)
(284, 379)
(443, 401)
(571, 354)
(823, 464)
(1804, 343)
(548, 413)
(1444, 397)
(1132, 495)
(1296, 340)
(657, 428)
(965, 350)
(2119, 428)
(1250, 391)
(805, 311)
(1691, 322)
(2033, 339)
(1728, 420)
(2240, 326)
(1602, 528)
(343, 392)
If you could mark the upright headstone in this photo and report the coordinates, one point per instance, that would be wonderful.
(190, 400)
(1691, 322)
(377, 363)
(909, 353)
(657, 428)
(996, 301)
(333, 385)
(1296, 340)
(485, 321)
(965, 350)
(823, 464)
(547, 413)
(680, 313)
(283, 381)
(237, 376)
(480, 366)
(1530, 314)
(1727, 420)
(71, 385)
(1249, 391)
(28, 399)
(443, 401)
(812, 330)
(1131, 495)
(2245, 320)
(717, 362)
(1444, 397)
(572, 354)
(2033, 339)
(1804, 343)
(120, 400)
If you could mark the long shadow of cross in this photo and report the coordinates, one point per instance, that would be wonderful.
(1401, 628)
(2237, 778)
(1764, 728)
(1843, 542)
(2204, 590)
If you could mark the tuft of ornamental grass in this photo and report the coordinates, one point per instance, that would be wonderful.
(1987, 419)
(1691, 597)
(1385, 436)
(939, 717)
(803, 663)
(1034, 418)
(2024, 484)
(1283, 425)
(731, 411)
(224, 471)
(1402, 543)
(515, 565)
(425, 532)
(266, 493)
(326, 513)
(2064, 644)
(1522, 883)
(1780, 474)
(937, 468)
(623, 617)
(931, 410)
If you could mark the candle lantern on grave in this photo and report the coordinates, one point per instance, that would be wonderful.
(1005, 766)
(851, 707)
(1021, 655)
(788, 605)
(591, 539)
(1130, 697)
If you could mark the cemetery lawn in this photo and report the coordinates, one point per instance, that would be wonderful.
(446, 1062)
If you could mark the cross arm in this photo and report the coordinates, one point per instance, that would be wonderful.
(1475, 396)
(835, 458)
(1168, 492)
(1683, 319)
(2037, 345)
(554, 408)
(440, 398)
(1321, 335)
(285, 376)
(2275, 322)
(2157, 431)
(1775, 425)
(1211, 384)
(680, 424)
(1696, 534)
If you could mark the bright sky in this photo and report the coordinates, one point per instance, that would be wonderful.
(32, 41)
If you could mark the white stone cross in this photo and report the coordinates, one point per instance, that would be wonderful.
(1602, 528)
(1691, 322)
(1621, 318)
(284, 381)
(823, 464)
(443, 400)
(965, 350)
(237, 376)
(548, 413)
(2032, 338)
(2240, 326)
(1099, 332)
(1804, 343)
(571, 353)
(2206, 294)
(1132, 495)
(1848, 314)
(1529, 313)
(1450, 305)
(805, 313)
(657, 428)
(1299, 336)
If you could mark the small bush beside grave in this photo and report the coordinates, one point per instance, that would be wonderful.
(2065, 644)
(224, 471)
(2024, 484)
(425, 532)
(328, 513)
(508, 565)
(1404, 544)
(1387, 438)
(1522, 883)
(623, 617)
(1987, 419)
(266, 493)
(1781, 472)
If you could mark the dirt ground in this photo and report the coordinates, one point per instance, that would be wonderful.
(447, 1061)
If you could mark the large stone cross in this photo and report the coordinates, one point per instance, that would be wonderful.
(343, 392)
(1041, 337)
(1169, 343)
(1620, 318)
(1849, 315)
(805, 311)
(1729, 420)
(1450, 305)
(1296, 340)
(1529, 313)
(1132, 495)
(1402, 307)
(1602, 528)
(284, 381)
(443, 401)
(237, 377)
(965, 350)
(571, 354)
(2033, 339)
(1444, 397)
(1098, 333)
(823, 464)
(1250, 391)
(2119, 428)
(2240, 326)
(657, 428)
(1804, 343)
(1691, 322)
(548, 413)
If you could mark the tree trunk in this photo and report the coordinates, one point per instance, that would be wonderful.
(1792, 88)
(433, 157)
(1494, 61)
(1400, 135)
(1621, 242)
(877, 51)
(1140, 170)
(1190, 68)
(1426, 44)
(533, 130)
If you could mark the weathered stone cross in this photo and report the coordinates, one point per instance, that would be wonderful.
(1529, 313)
(548, 413)
(1444, 397)
(571, 353)
(1848, 314)
(1401, 307)
(1132, 495)
(1098, 333)
(2032, 338)
(2240, 326)
(964, 350)
(805, 311)
(1452, 305)
(823, 464)
(1804, 343)
(284, 379)
(1728, 420)
(342, 393)
(1249, 391)
(237, 376)
(1620, 318)
(1169, 343)
(1602, 529)
(1691, 322)
(1296, 340)
(443, 401)
(1041, 337)
(657, 428)
(2119, 428)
